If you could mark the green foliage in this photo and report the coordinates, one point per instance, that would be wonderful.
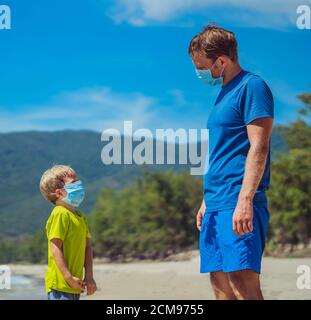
(306, 98)
(151, 218)
(297, 135)
(146, 218)
(290, 191)
(31, 249)
(290, 197)
(25, 156)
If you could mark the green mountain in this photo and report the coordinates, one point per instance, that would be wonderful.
(24, 156)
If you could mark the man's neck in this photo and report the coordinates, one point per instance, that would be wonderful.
(232, 70)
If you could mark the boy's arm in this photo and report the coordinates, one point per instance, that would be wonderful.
(88, 265)
(58, 255)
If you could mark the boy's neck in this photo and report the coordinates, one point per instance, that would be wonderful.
(67, 206)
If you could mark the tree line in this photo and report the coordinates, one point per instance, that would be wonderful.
(155, 216)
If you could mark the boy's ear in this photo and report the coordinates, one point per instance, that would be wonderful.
(59, 193)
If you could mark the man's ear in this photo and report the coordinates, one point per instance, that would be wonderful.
(223, 60)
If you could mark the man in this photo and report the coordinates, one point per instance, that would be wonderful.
(233, 217)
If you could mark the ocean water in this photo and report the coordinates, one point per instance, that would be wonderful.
(24, 288)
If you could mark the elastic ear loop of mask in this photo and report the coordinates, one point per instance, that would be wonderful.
(54, 194)
(223, 68)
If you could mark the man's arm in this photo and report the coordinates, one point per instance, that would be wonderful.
(259, 132)
(58, 255)
(88, 266)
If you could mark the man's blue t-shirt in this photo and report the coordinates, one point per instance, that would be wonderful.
(245, 98)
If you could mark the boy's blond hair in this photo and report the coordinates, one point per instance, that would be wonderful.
(54, 178)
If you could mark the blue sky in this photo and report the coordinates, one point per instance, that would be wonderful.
(93, 64)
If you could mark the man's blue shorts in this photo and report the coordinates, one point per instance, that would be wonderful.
(222, 250)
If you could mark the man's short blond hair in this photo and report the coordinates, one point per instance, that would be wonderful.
(214, 42)
(54, 178)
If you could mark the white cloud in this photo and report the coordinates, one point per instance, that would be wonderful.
(101, 108)
(178, 96)
(273, 13)
(91, 108)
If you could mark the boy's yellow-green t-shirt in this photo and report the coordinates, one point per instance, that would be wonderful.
(73, 230)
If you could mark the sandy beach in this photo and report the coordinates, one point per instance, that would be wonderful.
(160, 280)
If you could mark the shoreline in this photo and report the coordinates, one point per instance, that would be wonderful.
(157, 280)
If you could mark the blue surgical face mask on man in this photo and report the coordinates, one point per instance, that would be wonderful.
(207, 77)
(75, 193)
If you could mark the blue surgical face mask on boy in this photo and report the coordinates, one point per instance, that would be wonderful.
(75, 193)
(207, 77)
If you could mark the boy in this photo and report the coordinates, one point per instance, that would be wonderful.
(69, 238)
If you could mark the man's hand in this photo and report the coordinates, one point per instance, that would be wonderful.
(242, 221)
(75, 283)
(200, 215)
(90, 285)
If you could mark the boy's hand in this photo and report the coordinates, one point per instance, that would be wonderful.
(90, 285)
(76, 283)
